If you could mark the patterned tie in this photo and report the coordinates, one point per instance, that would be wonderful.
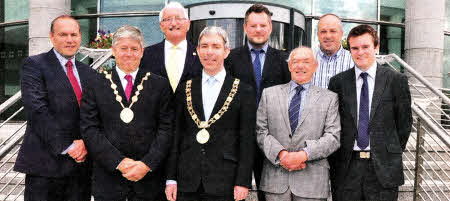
(129, 86)
(294, 108)
(257, 70)
(172, 68)
(363, 122)
(73, 81)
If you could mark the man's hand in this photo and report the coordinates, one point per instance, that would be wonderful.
(282, 156)
(125, 165)
(240, 192)
(171, 192)
(78, 151)
(294, 160)
(137, 172)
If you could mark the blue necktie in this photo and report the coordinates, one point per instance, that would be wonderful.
(257, 70)
(294, 108)
(363, 122)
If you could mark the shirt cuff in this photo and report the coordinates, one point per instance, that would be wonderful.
(168, 182)
(68, 149)
(307, 151)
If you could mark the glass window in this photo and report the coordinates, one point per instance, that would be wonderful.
(149, 26)
(446, 69)
(14, 10)
(13, 50)
(392, 40)
(131, 5)
(355, 9)
(393, 11)
(447, 16)
(83, 7)
(304, 6)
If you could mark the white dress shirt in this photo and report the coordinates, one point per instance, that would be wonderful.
(180, 54)
(372, 71)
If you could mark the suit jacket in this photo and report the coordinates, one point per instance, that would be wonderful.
(275, 70)
(318, 130)
(153, 60)
(109, 140)
(389, 124)
(52, 116)
(226, 159)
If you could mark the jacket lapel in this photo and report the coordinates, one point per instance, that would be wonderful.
(197, 99)
(60, 75)
(311, 98)
(116, 80)
(380, 84)
(223, 94)
(267, 62)
(284, 105)
(351, 90)
(190, 55)
(248, 63)
(161, 58)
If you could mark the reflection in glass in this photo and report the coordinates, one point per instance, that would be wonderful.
(393, 11)
(83, 7)
(14, 10)
(131, 5)
(356, 9)
(149, 26)
(234, 28)
(446, 68)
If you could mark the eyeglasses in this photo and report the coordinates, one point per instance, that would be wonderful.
(176, 19)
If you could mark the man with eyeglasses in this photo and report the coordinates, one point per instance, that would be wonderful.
(174, 58)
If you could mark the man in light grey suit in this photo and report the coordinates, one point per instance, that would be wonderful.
(298, 127)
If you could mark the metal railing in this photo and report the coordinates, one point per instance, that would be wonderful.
(426, 158)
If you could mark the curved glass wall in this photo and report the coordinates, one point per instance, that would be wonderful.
(355, 9)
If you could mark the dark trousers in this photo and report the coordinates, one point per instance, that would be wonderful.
(71, 188)
(201, 195)
(361, 183)
(128, 193)
(257, 171)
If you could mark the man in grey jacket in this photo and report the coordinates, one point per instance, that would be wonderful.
(298, 127)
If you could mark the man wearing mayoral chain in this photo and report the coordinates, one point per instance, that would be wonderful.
(126, 122)
(212, 153)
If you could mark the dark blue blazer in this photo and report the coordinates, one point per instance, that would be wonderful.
(52, 116)
(153, 61)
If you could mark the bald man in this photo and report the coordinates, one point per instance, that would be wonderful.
(297, 127)
(332, 58)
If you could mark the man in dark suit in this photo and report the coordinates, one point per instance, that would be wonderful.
(53, 154)
(258, 64)
(212, 153)
(174, 58)
(126, 122)
(375, 109)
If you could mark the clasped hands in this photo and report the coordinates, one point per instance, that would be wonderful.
(78, 152)
(240, 192)
(293, 160)
(133, 170)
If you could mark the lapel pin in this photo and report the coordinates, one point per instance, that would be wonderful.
(193, 53)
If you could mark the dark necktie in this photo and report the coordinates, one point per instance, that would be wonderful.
(294, 108)
(129, 86)
(257, 70)
(363, 122)
(73, 81)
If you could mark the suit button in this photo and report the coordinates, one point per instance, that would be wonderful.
(202, 151)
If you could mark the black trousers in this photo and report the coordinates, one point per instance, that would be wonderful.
(201, 195)
(257, 171)
(71, 188)
(361, 183)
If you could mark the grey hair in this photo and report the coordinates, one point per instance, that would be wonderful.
(298, 48)
(128, 31)
(213, 30)
(173, 4)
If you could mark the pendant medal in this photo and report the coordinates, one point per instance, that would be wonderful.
(202, 136)
(126, 115)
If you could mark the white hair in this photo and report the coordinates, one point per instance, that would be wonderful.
(213, 30)
(173, 4)
(128, 31)
(300, 48)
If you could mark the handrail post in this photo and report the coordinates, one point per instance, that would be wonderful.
(419, 160)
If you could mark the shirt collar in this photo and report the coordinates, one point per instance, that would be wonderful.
(265, 47)
(63, 60)
(294, 84)
(219, 76)
(122, 74)
(337, 54)
(372, 71)
(182, 45)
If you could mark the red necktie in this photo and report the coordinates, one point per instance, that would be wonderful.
(129, 86)
(73, 81)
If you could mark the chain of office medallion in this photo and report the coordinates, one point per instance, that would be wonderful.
(219, 113)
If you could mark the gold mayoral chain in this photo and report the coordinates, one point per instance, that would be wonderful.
(203, 135)
(126, 115)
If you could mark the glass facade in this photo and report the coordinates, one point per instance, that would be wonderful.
(354, 9)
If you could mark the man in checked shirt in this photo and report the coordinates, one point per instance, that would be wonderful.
(332, 57)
